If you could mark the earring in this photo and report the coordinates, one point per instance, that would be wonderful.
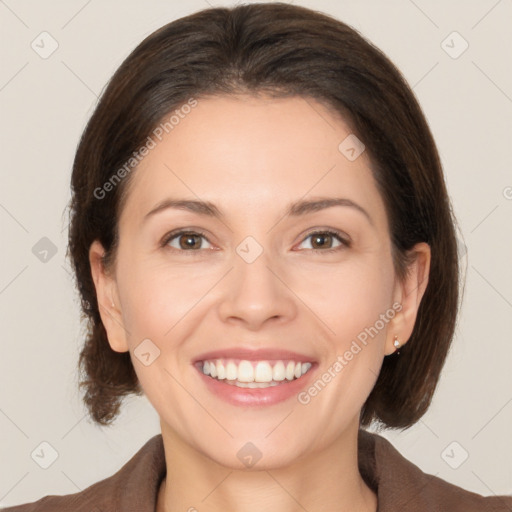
(396, 344)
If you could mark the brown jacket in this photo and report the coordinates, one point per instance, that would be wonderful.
(399, 484)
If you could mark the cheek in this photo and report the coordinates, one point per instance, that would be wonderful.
(356, 306)
(349, 298)
(157, 298)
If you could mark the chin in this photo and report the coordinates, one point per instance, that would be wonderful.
(249, 456)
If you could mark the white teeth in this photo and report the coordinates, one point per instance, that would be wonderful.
(305, 368)
(251, 384)
(290, 370)
(278, 372)
(263, 372)
(221, 372)
(253, 374)
(245, 372)
(231, 371)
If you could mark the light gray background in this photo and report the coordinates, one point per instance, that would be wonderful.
(45, 104)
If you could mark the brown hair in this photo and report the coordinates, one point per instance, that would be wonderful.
(280, 50)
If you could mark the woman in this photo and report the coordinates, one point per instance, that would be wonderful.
(264, 246)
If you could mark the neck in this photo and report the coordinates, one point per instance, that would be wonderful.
(328, 481)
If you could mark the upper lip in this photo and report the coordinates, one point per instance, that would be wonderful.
(262, 354)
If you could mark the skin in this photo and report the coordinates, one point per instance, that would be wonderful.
(251, 157)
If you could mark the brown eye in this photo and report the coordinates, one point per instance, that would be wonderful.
(321, 240)
(190, 241)
(324, 240)
(186, 241)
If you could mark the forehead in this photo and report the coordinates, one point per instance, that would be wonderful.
(247, 153)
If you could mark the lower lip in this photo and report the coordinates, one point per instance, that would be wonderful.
(256, 396)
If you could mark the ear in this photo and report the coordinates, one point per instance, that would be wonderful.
(108, 299)
(409, 293)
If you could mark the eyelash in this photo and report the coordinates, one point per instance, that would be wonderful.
(346, 243)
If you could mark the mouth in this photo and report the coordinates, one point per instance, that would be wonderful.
(264, 377)
(254, 374)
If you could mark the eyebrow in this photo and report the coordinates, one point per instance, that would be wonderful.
(294, 209)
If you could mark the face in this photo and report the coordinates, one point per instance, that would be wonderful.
(269, 274)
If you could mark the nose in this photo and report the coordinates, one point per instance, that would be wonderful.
(255, 293)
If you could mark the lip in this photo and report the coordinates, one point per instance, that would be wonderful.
(255, 396)
(239, 353)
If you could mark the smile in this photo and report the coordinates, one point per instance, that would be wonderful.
(248, 377)
(255, 374)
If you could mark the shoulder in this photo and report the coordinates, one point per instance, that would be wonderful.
(133, 487)
(400, 485)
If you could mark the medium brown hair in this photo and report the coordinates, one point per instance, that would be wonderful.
(280, 50)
